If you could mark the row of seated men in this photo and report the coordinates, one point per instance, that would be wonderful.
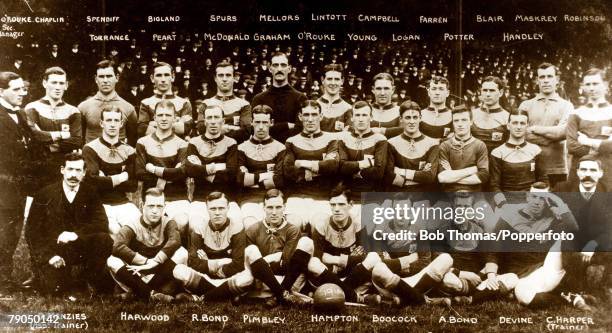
(282, 255)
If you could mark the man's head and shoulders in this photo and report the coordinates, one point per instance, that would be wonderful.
(342, 218)
(548, 83)
(462, 121)
(217, 205)
(106, 80)
(164, 115)
(213, 129)
(163, 77)
(152, 217)
(262, 121)
(224, 79)
(411, 116)
(280, 70)
(360, 129)
(55, 83)
(276, 221)
(596, 87)
(12, 94)
(332, 82)
(74, 180)
(517, 124)
(310, 115)
(112, 121)
(589, 171)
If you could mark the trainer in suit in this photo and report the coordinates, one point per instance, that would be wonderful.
(68, 226)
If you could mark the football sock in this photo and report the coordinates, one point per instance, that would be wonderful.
(262, 271)
(297, 265)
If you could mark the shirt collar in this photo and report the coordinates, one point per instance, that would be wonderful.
(108, 144)
(553, 97)
(166, 139)
(105, 98)
(7, 105)
(219, 228)
(514, 146)
(599, 105)
(150, 226)
(491, 110)
(313, 135)
(67, 189)
(417, 139)
(337, 228)
(225, 98)
(261, 142)
(443, 109)
(47, 101)
(167, 95)
(383, 107)
(458, 142)
(326, 101)
(583, 190)
(217, 139)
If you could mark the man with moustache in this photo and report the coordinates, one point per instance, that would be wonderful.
(55, 124)
(106, 80)
(67, 226)
(15, 168)
(589, 129)
(285, 101)
(548, 114)
(236, 111)
(336, 111)
(163, 78)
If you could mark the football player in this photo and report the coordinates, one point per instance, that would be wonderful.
(436, 119)
(490, 119)
(413, 156)
(54, 124)
(162, 78)
(464, 159)
(385, 114)
(310, 164)
(146, 252)
(159, 158)
(111, 164)
(216, 252)
(336, 112)
(236, 111)
(517, 164)
(260, 160)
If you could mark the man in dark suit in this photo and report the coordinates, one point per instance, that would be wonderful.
(588, 201)
(14, 167)
(67, 226)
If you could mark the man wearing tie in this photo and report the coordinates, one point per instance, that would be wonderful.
(14, 167)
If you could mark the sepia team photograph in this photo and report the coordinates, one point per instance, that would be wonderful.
(305, 166)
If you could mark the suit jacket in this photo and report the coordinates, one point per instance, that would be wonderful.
(15, 159)
(46, 220)
(593, 216)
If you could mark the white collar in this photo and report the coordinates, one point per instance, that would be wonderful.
(583, 190)
(67, 189)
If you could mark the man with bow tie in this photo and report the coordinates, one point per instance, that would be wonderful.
(14, 169)
(589, 129)
(67, 226)
(111, 164)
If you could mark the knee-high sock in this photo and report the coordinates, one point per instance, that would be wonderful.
(329, 277)
(394, 265)
(261, 270)
(134, 282)
(425, 284)
(358, 276)
(163, 274)
(407, 294)
(297, 265)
